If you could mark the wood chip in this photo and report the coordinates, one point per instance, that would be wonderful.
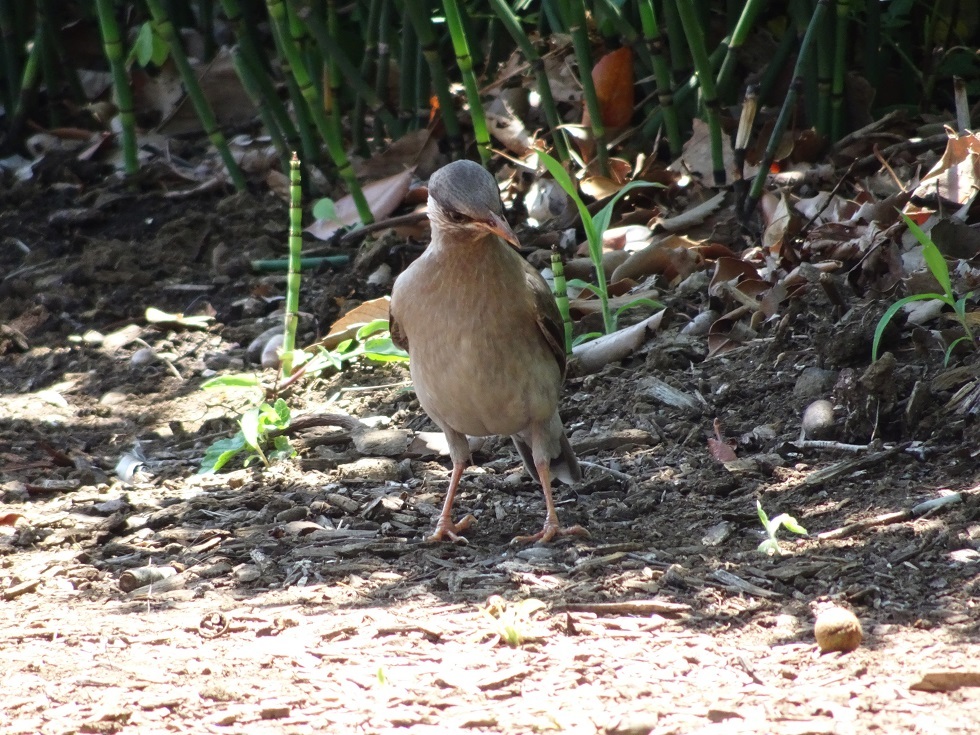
(946, 681)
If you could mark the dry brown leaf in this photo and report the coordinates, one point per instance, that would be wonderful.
(346, 327)
(383, 198)
(720, 450)
(956, 176)
(593, 356)
(10, 519)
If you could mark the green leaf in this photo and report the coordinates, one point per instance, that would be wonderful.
(583, 338)
(892, 311)
(324, 209)
(143, 47)
(601, 220)
(250, 423)
(220, 452)
(239, 380)
(559, 174)
(639, 302)
(934, 259)
(788, 522)
(378, 325)
(282, 413)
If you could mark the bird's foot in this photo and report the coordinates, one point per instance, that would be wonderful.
(446, 529)
(549, 532)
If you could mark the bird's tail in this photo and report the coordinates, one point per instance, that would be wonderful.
(565, 466)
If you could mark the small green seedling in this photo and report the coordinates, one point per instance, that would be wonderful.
(940, 271)
(771, 546)
(512, 622)
(371, 342)
(255, 426)
(594, 229)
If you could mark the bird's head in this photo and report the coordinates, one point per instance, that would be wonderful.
(464, 203)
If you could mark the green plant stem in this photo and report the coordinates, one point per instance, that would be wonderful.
(252, 88)
(561, 297)
(329, 133)
(419, 15)
(293, 276)
(661, 71)
(409, 61)
(334, 53)
(369, 32)
(30, 79)
(465, 62)
(840, 70)
(165, 29)
(782, 121)
(744, 27)
(511, 22)
(574, 14)
(278, 265)
(702, 65)
(120, 83)
(11, 60)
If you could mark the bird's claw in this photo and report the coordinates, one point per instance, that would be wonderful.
(549, 532)
(445, 528)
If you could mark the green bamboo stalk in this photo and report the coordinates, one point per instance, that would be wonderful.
(840, 70)
(680, 62)
(383, 69)
(291, 319)
(755, 193)
(422, 83)
(408, 62)
(510, 21)
(418, 14)
(253, 88)
(744, 26)
(120, 83)
(702, 64)
(801, 15)
(552, 13)
(11, 60)
(465, 62)
(49, 61)
(686, 92)
(661, 71)
(628, 33)
(369, 32)
(560, 289)
(314, 104)
(776, 66)
(873, 63)
(30, 79)
(574, 14)
(205, 19)
(825, 73)
(332, 51)
(165, 29)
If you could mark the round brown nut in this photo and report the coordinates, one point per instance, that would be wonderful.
(837, 629)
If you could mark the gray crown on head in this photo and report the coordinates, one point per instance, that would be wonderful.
(467, 188)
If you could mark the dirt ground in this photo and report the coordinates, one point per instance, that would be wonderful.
(303, 597)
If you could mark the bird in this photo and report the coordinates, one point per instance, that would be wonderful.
(485, 341)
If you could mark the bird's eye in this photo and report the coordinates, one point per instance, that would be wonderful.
(455, 216)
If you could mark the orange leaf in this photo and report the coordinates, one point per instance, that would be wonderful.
(613, 79)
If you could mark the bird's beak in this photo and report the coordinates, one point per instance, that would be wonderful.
(499, 227)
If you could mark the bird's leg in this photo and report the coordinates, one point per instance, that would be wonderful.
(445, 526)
(551, 526)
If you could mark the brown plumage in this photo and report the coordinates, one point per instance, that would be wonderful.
(485, 339)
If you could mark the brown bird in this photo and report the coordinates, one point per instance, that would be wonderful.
(485, 339)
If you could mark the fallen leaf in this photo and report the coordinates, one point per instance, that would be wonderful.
(383, 198)
(346, 327)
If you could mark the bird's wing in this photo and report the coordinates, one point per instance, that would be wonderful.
(547, 314)
(398, 336)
